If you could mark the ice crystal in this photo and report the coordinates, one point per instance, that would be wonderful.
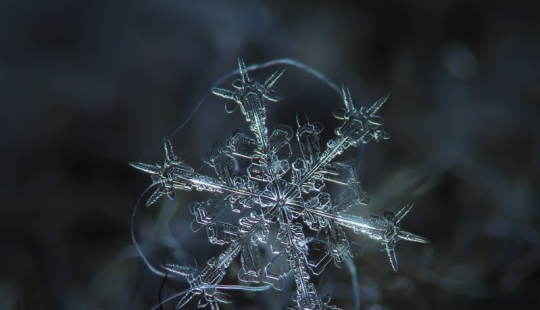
(282, 192)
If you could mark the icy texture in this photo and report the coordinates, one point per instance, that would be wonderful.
(278, 191)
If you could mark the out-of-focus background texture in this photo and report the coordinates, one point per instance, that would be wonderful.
(88, 86)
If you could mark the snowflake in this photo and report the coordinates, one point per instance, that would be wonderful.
(283, 193)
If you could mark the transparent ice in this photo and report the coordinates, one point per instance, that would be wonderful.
(279, 191)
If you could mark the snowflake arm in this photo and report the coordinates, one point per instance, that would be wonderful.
(250, 95)
(387, 230)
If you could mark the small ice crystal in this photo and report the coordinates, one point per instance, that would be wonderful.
(279, 191)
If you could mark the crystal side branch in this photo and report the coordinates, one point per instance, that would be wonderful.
(281, 192)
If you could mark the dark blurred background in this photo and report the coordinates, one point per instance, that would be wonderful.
(88, 86)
